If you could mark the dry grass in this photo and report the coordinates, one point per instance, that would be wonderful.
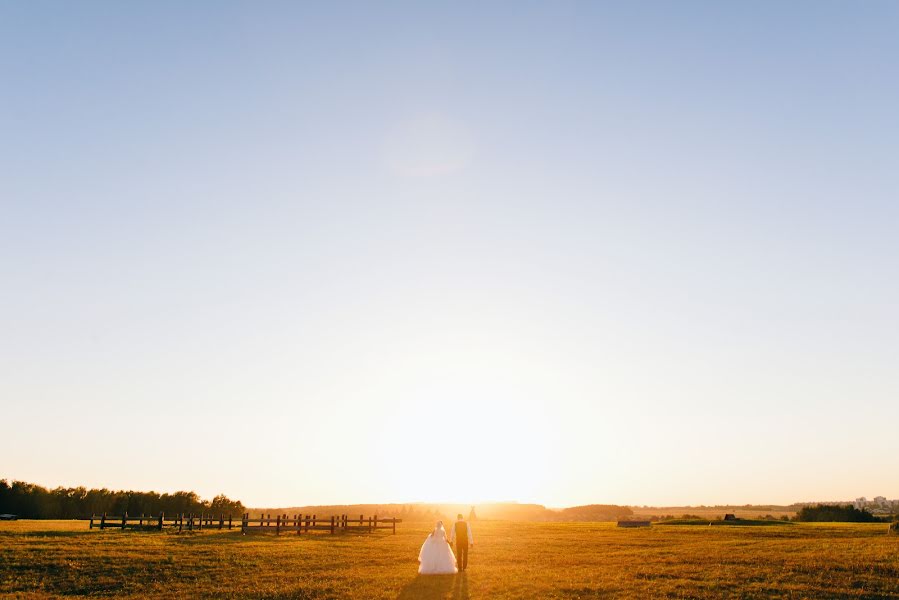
(512, 560)
(714, 512)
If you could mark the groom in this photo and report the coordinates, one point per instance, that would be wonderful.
(462, 537)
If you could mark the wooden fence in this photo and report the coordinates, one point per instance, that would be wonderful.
(182, 522)
(301, 524)
(298, 524)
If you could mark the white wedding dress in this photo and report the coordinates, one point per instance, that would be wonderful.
(436, 556)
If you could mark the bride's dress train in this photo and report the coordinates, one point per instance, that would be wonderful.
(436, 556)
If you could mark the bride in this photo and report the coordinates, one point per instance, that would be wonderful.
(436, 556)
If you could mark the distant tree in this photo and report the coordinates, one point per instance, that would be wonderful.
(835, 513)
(221, 504)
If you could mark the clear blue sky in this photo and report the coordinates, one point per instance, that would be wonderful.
(580, 252)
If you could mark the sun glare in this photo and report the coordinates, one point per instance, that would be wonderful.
(503, 449)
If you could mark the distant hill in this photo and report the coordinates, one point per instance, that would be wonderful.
(595, 512)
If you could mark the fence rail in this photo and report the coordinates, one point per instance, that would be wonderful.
(298, 523)
(301, 524)
(189, 522)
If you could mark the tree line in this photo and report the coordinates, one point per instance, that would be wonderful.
(836, 513)
(31, 501)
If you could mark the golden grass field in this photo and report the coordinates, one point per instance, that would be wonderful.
(42, 559)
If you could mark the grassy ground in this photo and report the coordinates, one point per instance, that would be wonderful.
(511, 560)
(714, 512)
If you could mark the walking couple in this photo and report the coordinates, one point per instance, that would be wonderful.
(436, 556)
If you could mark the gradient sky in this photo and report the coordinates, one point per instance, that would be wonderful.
(557, 252)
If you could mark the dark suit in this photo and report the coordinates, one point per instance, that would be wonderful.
(460, 534)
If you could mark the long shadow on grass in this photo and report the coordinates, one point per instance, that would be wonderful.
(43, 534)
(235, 537)
(436, 587)
(460, 587)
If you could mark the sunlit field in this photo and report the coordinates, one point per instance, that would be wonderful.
(512, 560)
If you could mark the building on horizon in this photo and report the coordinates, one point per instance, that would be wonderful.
(879, 503)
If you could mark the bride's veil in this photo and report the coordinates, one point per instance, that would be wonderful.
(439, 533)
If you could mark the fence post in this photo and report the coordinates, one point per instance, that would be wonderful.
(161, 517)
(103, 521)
(332, 524)
(376, 522)
(361, 521)
(124, 520)
(141, 522)
(92, 521)
(278, 526)
(394, 524)
(369, 524)
(229, 521)
(221, 520)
